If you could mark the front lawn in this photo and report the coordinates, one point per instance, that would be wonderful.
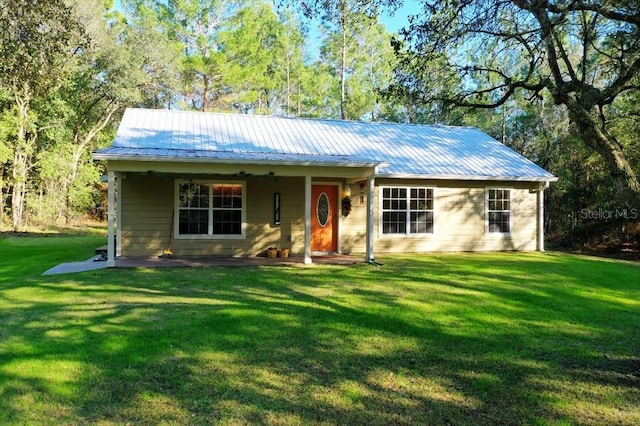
(503, 338)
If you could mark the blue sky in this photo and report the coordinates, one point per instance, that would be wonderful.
(400, 18)
(393, 23)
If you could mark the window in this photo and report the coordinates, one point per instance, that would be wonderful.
(210, 209)
(407, 210)
(499, 211)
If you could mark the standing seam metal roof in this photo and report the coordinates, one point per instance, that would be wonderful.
(407, 150)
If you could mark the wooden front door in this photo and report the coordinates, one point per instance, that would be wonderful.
(324, 218)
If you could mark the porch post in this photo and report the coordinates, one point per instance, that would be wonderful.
(111, 192)
(307, 220)
(370, 185)
(118, 198)
(540, 200)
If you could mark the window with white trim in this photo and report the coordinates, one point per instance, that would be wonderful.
(498, 211)
(407, 210)
(210, 209)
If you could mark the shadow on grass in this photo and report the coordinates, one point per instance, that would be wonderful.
(423, 340)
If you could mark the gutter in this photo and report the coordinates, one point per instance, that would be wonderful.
(546, 179)
(205, 160)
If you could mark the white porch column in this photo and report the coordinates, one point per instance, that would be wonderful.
(307, 220)
(111, 199)
(370, 237)
(118, 198)
(540, 200)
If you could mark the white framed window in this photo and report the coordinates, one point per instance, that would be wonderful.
(407, 210)
(210, 209)
(498, 210)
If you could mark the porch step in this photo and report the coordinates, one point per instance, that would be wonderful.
(101, 252)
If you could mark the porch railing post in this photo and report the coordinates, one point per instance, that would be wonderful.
(370, 195)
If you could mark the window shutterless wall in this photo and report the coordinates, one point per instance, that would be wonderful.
(460, 218)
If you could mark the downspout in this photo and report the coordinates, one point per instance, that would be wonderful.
(540, 199)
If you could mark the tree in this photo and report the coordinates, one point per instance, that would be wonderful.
(64, 109)
(195, 25)
(583, 55)
(293, 62)
(358, 50)
(111, 73)
(37, 38)
(252, 44)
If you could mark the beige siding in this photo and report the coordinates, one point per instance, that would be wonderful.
(148, 202)
(147, 211)
(146, 206)
(459, 219)
(353, 228)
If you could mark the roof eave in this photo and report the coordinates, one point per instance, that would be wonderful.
(470, 177)
(119, 157)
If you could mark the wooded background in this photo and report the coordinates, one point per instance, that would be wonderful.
(558, 81)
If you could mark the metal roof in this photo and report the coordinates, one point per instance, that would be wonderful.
(402, 150)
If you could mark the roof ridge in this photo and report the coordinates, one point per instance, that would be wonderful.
(315, 120)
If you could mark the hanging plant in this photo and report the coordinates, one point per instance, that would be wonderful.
(346, 206)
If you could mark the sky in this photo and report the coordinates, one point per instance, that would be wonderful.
(400, 19)
(392, 23)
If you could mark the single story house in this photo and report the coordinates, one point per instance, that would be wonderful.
(233, 185)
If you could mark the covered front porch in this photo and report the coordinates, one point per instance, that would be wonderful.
(278, 208)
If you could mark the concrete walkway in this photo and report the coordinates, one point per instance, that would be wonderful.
(210, 261)
(72, 267)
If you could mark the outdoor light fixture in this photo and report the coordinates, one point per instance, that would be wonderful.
(347, 191)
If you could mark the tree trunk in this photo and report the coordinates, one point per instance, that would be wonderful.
(288, 77)
(19, 177)
(21, 158)
(205, 93)
(79, 151)
(343, 72)
(602, 142)
(1, 193)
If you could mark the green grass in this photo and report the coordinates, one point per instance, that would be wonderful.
(460, 339)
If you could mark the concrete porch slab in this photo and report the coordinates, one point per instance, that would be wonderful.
(210, 261)
(204, 261)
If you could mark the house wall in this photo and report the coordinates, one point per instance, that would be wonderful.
(147, 205)
(147, 212)
(459, 219)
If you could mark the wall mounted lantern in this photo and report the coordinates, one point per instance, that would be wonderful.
(346, 192)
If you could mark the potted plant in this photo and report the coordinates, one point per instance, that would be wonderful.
(283, 252)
